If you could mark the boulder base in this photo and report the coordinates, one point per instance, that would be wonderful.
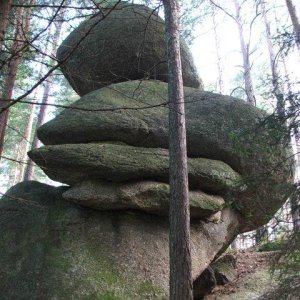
(52, 249)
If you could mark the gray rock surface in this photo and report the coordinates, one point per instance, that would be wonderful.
(73, 163)
(204, 284)
(53, 249)
(136, 113)
(127, 43)
(147, 196)
(225, 269)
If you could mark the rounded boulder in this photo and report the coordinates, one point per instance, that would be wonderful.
(126, 42)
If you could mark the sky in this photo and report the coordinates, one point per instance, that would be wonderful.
(204, 53)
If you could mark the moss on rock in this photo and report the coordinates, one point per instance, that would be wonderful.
(73, 163)
(53, 249)
(126, 43)
(148, 196)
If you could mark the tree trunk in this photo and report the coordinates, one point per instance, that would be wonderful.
(245, 53)
(29, 168)
(295, 21)
(219, 59)
(179, 237)
(277, 89)
(5, 6)
(25, 143)
(11, 76)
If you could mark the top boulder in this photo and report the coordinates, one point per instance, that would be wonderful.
(120, 44)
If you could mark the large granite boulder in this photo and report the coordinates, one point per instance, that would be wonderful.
(53, 249)
(126, 43)
(225, 137)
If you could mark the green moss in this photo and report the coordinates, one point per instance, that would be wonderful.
(106, 296)
(272, 245)
(72, 163)
(147, 288)
(52, 249)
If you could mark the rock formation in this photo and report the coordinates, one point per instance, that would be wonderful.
(126, 43)
(105, 235)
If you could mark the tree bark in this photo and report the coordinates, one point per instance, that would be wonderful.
(219, 59)
(29, 167)
(11, 76)
(25, 143)
(23, 147)
(295, 21)
(5, 6)
(246, 61)
(179, 237)
(277, 89)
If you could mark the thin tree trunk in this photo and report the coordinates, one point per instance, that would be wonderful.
(29, 168)
(245, 53)
(247, 75)
(25, 144)
(11, 76)
(19, 39)
(277, 90)
(23, 148)
(295, 21)
(219, 59)
(179, 237)
(5, 6)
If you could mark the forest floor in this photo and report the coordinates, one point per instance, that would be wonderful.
(254, 278)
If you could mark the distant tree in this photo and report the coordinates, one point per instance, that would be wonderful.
(22, 24)
(220, 80)
(244, 46)
(295, 21)
(28, 169)
(245, 49)
(5, 6)
(277, 88)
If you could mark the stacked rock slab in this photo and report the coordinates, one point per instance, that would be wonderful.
(105, 235)
(120, 133)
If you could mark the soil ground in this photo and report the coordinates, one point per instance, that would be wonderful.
(254, 278)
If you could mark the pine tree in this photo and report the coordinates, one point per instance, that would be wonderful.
(179, 237)
(21, 30)
(5, 6)
(28, 169)
(246, 56)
